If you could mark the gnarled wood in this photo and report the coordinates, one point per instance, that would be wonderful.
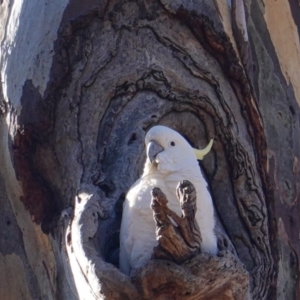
(181, 240)
(204, 277)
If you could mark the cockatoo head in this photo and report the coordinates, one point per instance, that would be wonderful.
(169, 152)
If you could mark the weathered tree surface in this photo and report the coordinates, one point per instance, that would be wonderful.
(201, 276)
(83, 81)
(204, 277)
(183, 241)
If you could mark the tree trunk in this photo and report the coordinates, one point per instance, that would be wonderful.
(83, 81)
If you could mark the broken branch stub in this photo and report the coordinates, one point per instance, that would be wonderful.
(181, 242)
(190, 274)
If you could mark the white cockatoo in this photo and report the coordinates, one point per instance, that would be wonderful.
(170, 159)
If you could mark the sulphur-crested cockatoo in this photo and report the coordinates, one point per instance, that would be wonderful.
(170, 159)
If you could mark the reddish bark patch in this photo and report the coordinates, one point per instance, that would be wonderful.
(37, 196)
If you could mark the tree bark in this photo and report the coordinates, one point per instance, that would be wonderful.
(183, 241)
(222, 277)
(82, 82)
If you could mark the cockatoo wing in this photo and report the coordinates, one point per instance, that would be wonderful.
(137, 236)
(125, 240)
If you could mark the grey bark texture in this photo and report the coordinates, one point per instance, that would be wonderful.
(81, 83)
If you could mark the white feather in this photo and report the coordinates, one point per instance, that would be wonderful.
(173, 164)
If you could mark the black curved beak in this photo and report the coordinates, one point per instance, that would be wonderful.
(152, 150)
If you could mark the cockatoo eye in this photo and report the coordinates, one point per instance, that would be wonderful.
(172, 143)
